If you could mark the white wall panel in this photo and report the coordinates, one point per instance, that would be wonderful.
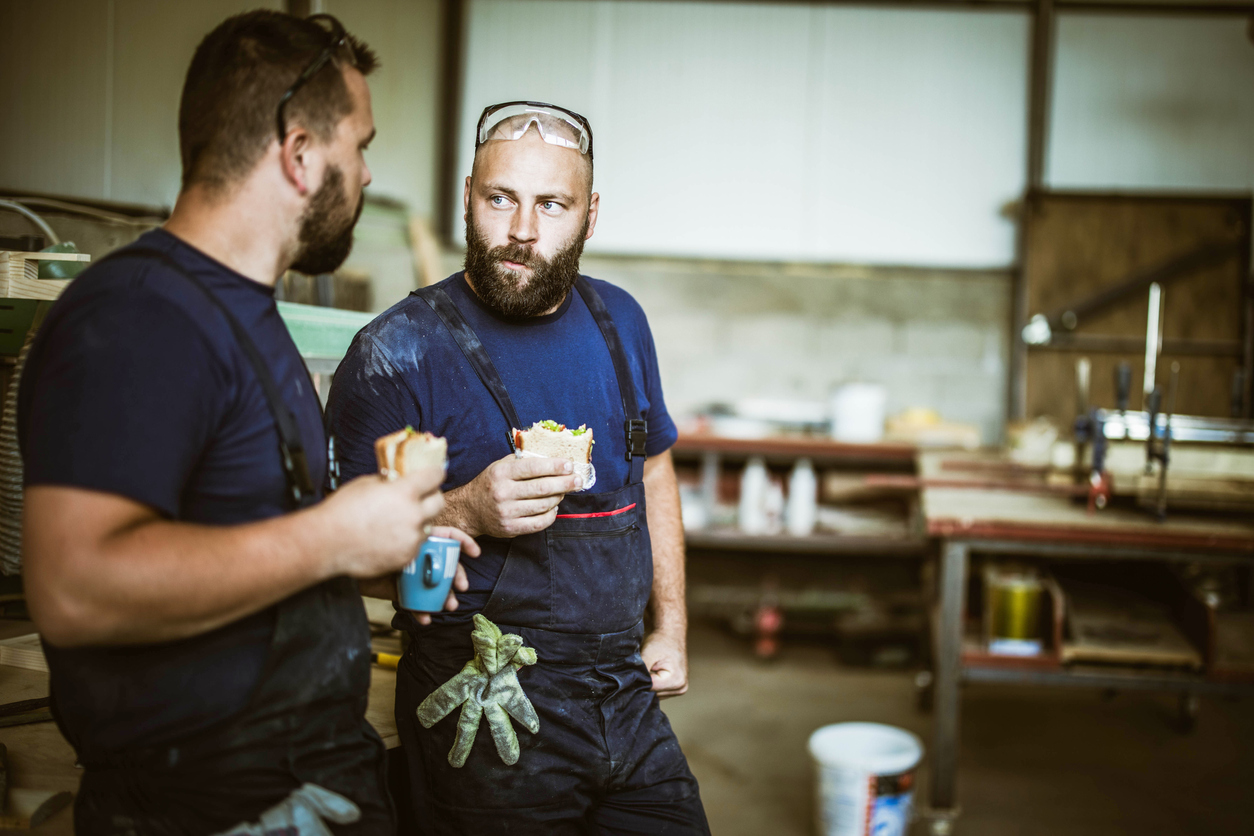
(737, 130)
(404, 92)
(1155, 103)
(54, 81)
(922, 137)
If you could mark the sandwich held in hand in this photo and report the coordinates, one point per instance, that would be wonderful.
(551, 440)
(407, 450)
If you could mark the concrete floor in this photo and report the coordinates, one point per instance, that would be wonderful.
(1033, 761)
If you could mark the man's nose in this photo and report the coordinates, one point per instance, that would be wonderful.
(524, 229)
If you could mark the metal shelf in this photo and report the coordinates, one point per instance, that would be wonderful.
(835, 544)
(787, 449)
(1098, 677)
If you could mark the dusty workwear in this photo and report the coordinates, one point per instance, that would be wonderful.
(301, 715)
(604, 759)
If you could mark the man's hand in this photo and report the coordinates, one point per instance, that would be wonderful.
(460, 584)
(378, 525)
(511, 497)
(666, 658)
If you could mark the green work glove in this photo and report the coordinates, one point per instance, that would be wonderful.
(305, 812)
(487, 685)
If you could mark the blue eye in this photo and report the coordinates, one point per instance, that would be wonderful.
(498, 200)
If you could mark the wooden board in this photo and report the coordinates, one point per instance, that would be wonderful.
(1077, 244)
(19, 274)
(1113, 625)
(994, 514)
(23, 652)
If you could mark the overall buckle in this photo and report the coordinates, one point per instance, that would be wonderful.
(637, 432)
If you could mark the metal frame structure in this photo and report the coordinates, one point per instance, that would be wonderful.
(949, 673)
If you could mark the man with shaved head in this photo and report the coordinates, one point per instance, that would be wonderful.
(567, 690)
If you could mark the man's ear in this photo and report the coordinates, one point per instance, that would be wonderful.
(594, 203)
(466, 199)
(293, 157)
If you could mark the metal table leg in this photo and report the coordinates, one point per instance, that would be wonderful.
(953, 580)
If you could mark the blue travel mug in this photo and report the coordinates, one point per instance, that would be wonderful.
(426, 581)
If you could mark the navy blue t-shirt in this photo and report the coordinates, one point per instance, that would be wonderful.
(136, 386)
(405, 369)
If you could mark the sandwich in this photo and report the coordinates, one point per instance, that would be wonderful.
(404, 451)
(553, 440)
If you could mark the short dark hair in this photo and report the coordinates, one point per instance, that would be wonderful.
(238, 75)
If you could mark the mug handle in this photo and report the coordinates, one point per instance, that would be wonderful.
(432, 565)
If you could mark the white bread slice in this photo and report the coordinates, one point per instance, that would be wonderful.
(404, 451)
(561, 443)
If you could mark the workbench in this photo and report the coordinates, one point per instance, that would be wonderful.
(40, 758)
(1016, 520)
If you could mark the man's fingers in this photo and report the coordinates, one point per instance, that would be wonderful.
(557, 486)
(531, 468)
(460, 582)
(450, 603)
(469, 547)
(530, 507)
(532, 524)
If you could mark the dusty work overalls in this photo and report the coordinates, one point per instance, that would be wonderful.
(605, 759)
(304, 723)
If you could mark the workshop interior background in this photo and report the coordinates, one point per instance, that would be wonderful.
(813, 202)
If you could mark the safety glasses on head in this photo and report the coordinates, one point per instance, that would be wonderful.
(339, 40)
(556, 125)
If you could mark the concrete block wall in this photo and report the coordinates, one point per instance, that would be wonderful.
(727, 331)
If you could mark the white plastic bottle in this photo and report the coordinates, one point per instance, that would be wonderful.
(802, 499)
(752, 518)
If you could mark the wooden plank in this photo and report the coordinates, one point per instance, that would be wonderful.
(1001, 515)
(19, 276)
(23, 652)
(1079, 243)
(1113, 625)
(785, 448)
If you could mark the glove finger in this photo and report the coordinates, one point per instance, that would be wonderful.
(328, 804)
(467, 727)
(441, 702)
(508, 692)
(503, 734)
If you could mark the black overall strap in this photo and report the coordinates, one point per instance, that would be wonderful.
(635, 428)
(470, 344)
(292, 450)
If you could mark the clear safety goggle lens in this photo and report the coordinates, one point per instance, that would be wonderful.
(556, 126)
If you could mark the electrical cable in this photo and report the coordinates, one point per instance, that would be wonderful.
(89, 211)
(32, 217)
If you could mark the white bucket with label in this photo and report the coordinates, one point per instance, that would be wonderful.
(866, 777)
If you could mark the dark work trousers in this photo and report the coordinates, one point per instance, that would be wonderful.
(605, 760)
(304, 723)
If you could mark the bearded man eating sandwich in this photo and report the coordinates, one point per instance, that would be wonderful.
(548, 648)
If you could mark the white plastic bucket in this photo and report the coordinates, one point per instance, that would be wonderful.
(866, 777)
(858, 413)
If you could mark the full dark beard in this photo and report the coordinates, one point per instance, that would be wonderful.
(502, 290)
(326, 232)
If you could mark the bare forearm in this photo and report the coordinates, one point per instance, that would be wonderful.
(666, 532)
(161, 581)
(459, 511)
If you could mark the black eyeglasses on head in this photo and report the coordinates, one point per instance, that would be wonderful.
(339, 39)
